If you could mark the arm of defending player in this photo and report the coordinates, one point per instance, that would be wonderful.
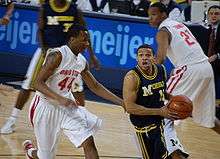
(98, 88)
(53, 60)
(163, 40)
(6, 18)
(41, 28)
(94, 62)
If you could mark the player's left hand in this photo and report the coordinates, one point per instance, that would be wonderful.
(5, 20)
(94, 62)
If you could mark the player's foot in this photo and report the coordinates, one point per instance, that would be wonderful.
(27, 145)
(9, 126)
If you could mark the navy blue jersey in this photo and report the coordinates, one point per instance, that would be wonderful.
(57, 22)
(150, 94)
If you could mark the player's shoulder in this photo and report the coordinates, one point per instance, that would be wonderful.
(54, 52)
(81, 57)
(132, 75)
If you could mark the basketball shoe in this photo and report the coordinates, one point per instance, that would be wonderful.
(28, 148)
(9, 126)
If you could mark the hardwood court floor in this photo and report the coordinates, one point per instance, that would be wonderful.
(116, 139)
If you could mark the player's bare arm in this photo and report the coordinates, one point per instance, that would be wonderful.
(41, 28)
(130, 87)
(94, 62)
(163, 40)
(52, 62)
(6, 18)
(98, 88)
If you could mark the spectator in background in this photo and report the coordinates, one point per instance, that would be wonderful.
(174, 9)
(186, 13)
(98, 5)
(214, 46)
(93, 5)
(214, 27)
(140, 7)
(10, 7)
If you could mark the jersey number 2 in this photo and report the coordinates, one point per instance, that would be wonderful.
(65, 84)
(189, 39)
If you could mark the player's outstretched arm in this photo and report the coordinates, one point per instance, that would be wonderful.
(98, 88)
(93, 60)
(6, 18)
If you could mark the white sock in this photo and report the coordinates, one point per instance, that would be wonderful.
(15, 112)
(29, 151)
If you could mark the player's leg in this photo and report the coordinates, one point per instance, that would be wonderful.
(77, 90)
(90, 148)
(144, 142)
(174, 147)
(24, 94)
(79, 126)
(46, 120)
(157, 134)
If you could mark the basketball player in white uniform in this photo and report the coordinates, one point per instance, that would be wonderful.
(52, 34)
(54, 109)
(192, 76)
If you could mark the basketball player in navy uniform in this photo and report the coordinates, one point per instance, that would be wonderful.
(56, 16)
(144, 94)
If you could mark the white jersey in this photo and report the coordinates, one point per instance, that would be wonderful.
(184, 48)
(70, 67)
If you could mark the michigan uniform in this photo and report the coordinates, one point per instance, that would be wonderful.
(149, 129)
(56, 22)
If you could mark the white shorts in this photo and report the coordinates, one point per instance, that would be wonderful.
(49, 121)
(196, 82)
(33, 68)
(77, 85)
(172, 141)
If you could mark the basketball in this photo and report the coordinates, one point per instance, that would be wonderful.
(182, 105)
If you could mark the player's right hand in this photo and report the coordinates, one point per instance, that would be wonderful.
(68, 102)
(166, 113)
(5, 20)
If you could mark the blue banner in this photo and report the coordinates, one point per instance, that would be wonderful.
(114, 41)
(20, 35)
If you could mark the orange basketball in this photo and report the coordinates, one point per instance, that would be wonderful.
(182, 105)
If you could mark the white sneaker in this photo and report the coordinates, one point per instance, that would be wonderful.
(9, 126)
(27, 144)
